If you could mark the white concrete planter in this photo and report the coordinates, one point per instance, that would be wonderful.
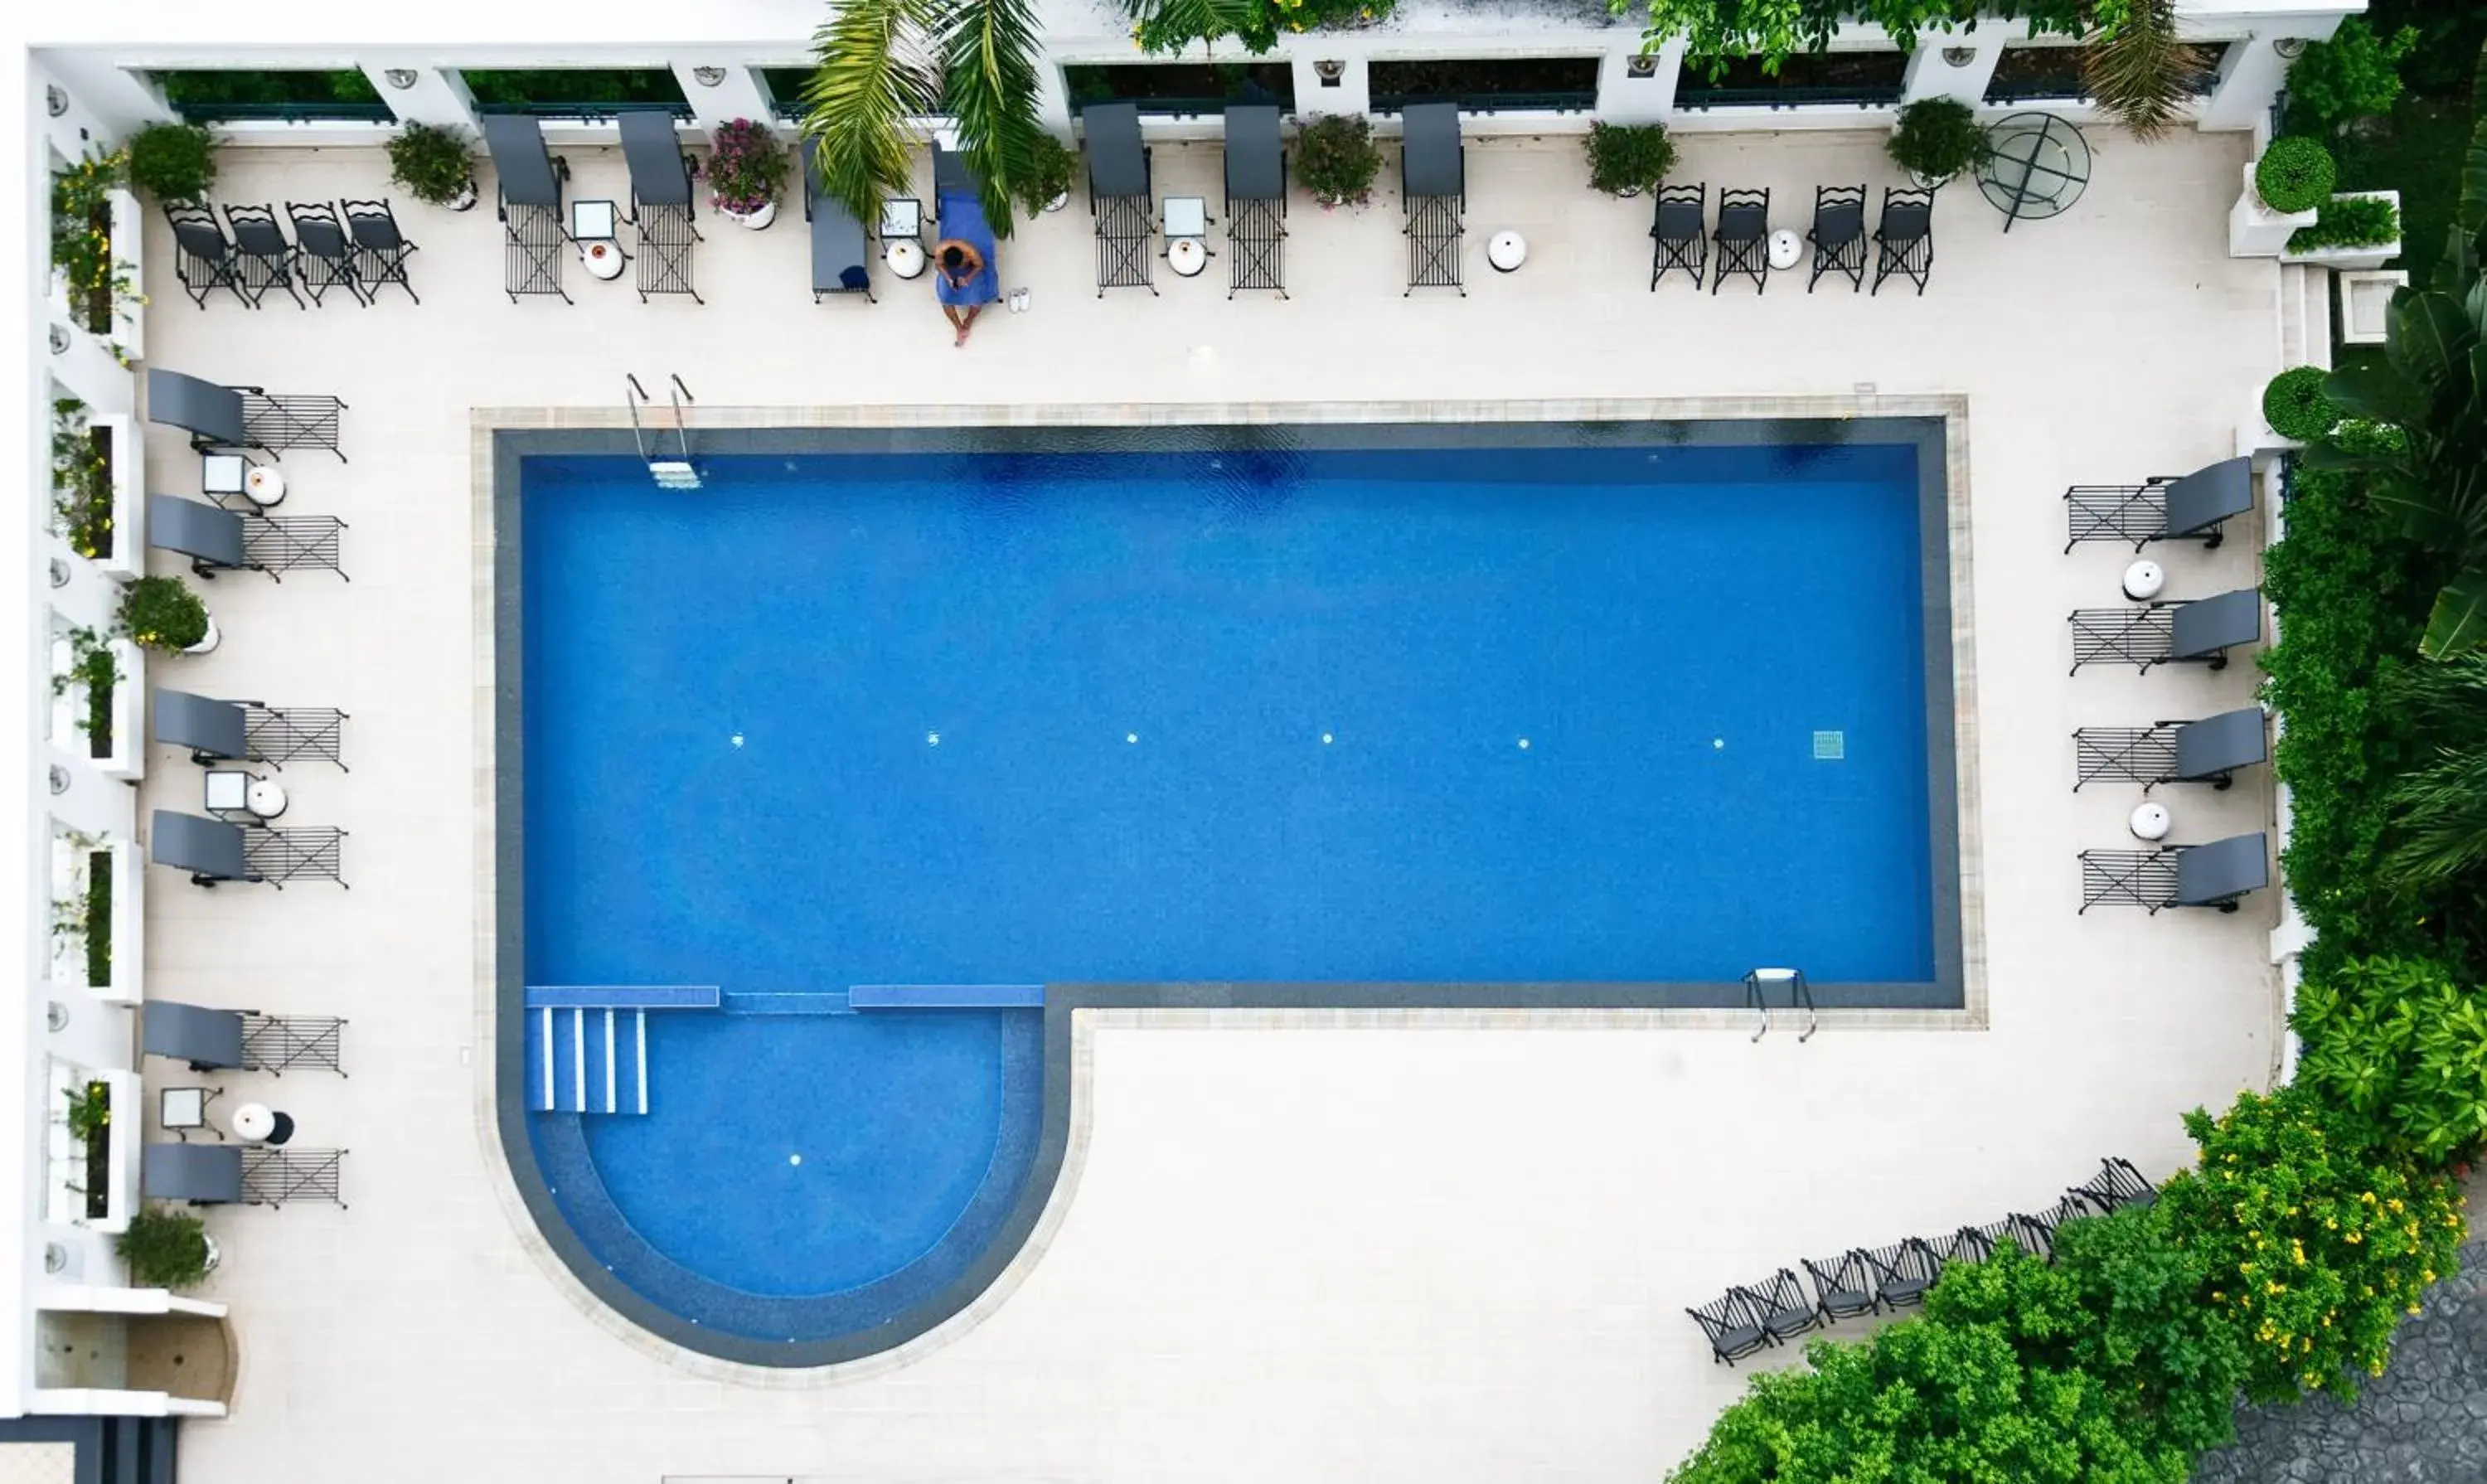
(2366, 304)
(130, 314)
(755, 220)
(1060, 200)
(2255, 230)
(207, 644)
(2364, 256)
(129, 555)
(464, 199)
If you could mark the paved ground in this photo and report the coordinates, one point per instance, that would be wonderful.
(2424, 1420)
(1292, 1249)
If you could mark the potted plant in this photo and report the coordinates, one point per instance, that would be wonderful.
(435, 165)
(1626, 159)
(746, 168)
(166, 1248)
(2295, 405)
(1048, 188)
(1337, 160)
(174, 163)
(163, 614)
(2355, 231)
(2281, 191)
(1938, 138)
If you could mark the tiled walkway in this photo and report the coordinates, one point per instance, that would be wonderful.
(1370, 1250)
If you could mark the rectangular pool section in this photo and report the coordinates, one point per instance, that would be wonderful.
(1516, 707)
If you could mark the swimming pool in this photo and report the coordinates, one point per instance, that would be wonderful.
(1347, 710)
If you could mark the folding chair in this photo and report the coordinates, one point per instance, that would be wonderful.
(2216, 875)
(1434, 181)
(380, 250)
(203, 256)
(1843, 1286)
(2162, 509)
(1780, 1304)
(1905, 238)
(327, 256)
(1744, 238)
(1838, 235)
(660, 202)
(1256, 200)
(2117, 1185)
(1682, 242)
(2209, 750)
(1731, 1326)
(1121, 196)
(1903, 1271)
(528, 200)
(266, 258)
(2042, 1227)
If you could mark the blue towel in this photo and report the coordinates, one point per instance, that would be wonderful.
(963, 217)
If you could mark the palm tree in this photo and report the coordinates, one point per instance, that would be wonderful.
(2440, 811)
(2137, 69)
(882, 63)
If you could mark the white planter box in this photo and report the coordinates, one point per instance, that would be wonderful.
(129, 558)
(2365, 256)
(2255, 230)
(2366, 302)
(127, 760)
(130, 314)
(128, 925)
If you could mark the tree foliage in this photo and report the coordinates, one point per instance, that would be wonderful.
(2394, 1041)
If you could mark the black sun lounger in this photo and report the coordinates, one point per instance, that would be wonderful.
(2194, 507)
(1434, 181)
(841, 259)
(203, 1038)
(661, 208)
(201, 1174)
(2210, 751)
(1120, 195)
(530, 206)
(1256, 199)
(2201, 632)
(2216, 875)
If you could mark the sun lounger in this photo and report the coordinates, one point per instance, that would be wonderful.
(536, 239)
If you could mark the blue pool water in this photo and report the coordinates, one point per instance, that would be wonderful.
(1462, 716)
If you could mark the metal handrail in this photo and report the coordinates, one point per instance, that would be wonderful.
(1563, 100)
(592, 113)
(374, 111)
(1196, 107)
(1879, 96)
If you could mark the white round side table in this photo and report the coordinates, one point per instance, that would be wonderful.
(254, 1121)
(263, 485)
(1506, 251)
(906, 259)
(1786, 249)
(2151, 822)
(603, 259)
(265, 799)
(2143, 580)
(1186, 256)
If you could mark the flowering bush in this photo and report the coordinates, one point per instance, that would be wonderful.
(81, 481)
(2397, 1042)
(746, 166)
(98, 280)
(162, 613)
(1335, 159)
(2314, 1243)
(1165, 26)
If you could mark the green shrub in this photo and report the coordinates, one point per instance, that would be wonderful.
(162, 613)
(2349, 221)
(2396, 1042)
(1055, 167)
(2353, 74)
(175, 163)
(2314, 1241)
(164, 1248)
(2294, 405)
(96, 933)
(435, 165)
(1938, 138)
(1336, 158)
(1629, 159)
(2295, 174)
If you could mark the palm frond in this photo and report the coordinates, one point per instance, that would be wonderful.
(989, 51)
(873, 70)
(2136, 72)
(2440, 811)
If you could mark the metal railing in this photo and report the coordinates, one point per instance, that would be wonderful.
(373, 112)
(1875, 96)
(2067, 86)
(593, 113)
(1564, 101)
(1201, 107)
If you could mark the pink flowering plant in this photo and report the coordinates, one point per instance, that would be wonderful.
(746, 167)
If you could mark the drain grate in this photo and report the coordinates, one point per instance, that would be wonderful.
(1830, 746)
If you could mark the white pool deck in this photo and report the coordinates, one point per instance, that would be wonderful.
(1454, 1247)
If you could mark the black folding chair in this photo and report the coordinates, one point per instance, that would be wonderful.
(203, 256)
(328, 255)
(2117, 1185)
(1838, 235)
(1903, 1271)
(1780, 1304)
(1843, 1286)
(1744, 238)
(1678, 231)
(380, 250)
(1906, 237)
(267, 259)
(1734, 1331)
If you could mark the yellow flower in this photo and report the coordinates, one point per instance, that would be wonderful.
(2357, 1237)
(2413, 1308)
(2426, 1275)
(2329, 1224)
(2368, 1197)
(2395, 1204)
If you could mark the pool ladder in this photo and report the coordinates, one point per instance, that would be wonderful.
(669, 473)
(1799, 995)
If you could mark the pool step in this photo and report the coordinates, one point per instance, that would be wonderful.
(584, 1060)
(788, 1002)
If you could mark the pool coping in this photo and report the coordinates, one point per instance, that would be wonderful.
(502, 436)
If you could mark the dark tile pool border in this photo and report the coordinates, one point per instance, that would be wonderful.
(1948, 991)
